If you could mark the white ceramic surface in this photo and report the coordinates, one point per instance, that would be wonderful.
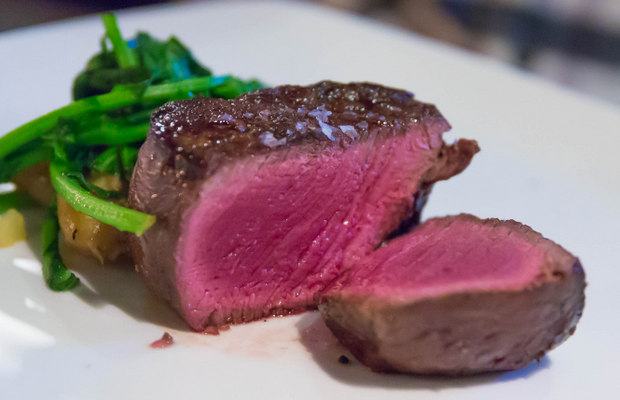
(549, 159)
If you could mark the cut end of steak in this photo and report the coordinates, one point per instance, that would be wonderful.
(459, 296)
(265, 201)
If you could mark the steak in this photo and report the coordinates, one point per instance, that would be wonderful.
(264, 202)
(458, 296)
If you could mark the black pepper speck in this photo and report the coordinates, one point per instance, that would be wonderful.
(343, 359)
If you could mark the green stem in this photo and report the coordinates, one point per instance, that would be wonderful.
(15, 200)
(106, 162)
(120, 96)
(124, 55)
(109, 161)
(113, 133)
(16, 163)
(56, 275)
(124, 219)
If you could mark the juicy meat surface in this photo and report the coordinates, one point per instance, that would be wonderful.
(459, 295)
(265, 201)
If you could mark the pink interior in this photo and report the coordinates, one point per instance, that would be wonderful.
(272, 231)
(436, 259)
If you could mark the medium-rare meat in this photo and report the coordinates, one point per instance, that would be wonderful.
(458, 296)
(263, 202)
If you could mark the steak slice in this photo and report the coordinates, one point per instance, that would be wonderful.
(459, 296)
(263, 202)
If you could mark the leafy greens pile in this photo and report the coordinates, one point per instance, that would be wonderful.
(102, 130)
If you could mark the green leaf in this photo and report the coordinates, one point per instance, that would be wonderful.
(103, 60)
(99, 81)
(15, 200)
(167, 60)
(56, 275)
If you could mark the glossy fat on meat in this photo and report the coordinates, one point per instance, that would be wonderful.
(251, 225)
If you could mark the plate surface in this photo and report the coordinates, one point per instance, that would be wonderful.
(549, 159)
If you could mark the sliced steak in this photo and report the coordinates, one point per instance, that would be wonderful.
(262, 202)
(459, 296)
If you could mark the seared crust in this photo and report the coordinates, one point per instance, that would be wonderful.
(466, 332)
(267, 119)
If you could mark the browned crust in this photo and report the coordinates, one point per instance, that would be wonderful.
(199, 128)
(466, 332)
(454, 159)
(157, 189)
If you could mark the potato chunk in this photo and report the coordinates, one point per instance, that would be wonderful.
(12, 228)
(35, 181)
(90, 235)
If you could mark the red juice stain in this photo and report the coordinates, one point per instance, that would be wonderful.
(165, 341)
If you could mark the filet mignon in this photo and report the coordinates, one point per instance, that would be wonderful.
(458, 296)
(263, 201)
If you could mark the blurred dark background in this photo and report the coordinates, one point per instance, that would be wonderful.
(573, 42)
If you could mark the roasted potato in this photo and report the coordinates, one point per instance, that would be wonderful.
(12, 228)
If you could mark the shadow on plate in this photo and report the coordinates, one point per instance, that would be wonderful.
(119, 284)
(116, 283)
(326, 352)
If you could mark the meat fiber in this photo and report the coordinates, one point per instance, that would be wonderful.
(459, 296)
(265, 201)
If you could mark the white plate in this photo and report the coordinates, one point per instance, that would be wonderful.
(549, 159)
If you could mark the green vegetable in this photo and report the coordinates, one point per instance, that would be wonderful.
(124, 55)
(119, 97)
(143, 60)
(33, 153)
(102, 129)
(108, 161)
(169, 60)
(56, 275)
(70, 189)
(113, 133)
(15, 200)
(100, 193)
(234, 87)
(100, 81)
